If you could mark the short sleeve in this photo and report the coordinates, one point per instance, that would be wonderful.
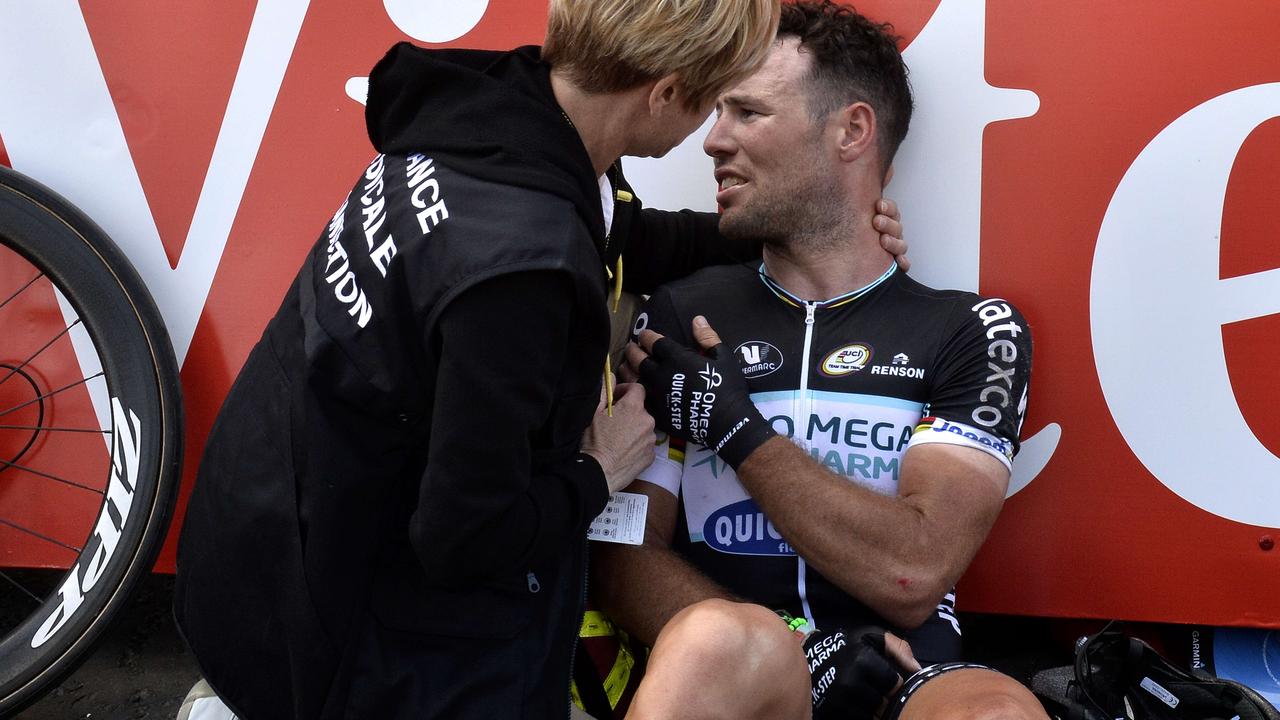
(981, 386)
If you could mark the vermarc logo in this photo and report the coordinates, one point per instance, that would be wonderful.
(758, 358)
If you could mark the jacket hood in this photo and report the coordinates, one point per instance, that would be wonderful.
(491, 114)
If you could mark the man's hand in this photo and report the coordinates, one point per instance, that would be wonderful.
(852, 672)
(888, 222)
(622, 444)
(698, 398)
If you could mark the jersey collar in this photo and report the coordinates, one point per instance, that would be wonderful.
(836, 301)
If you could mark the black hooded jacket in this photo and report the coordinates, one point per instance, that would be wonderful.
(389, 518)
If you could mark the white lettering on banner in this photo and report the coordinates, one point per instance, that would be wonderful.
(70, 138)
(1157, 316)
(60, 126)
(126, 450)
(435, 21)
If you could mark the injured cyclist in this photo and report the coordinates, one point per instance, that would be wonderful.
(784, 370)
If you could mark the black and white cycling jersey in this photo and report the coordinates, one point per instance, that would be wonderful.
(857, 380)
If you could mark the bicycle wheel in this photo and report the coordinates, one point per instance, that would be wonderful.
(90, 436)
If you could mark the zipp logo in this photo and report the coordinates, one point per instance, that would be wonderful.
(112, 520)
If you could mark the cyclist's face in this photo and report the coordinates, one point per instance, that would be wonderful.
(771, 162)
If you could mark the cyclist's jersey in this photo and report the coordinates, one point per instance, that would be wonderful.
(857, 380)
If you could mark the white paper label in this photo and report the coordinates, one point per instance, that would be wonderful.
(622, 520)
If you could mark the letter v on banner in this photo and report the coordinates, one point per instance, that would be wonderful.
(58, 116)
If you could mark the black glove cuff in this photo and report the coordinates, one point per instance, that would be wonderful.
(749, 433)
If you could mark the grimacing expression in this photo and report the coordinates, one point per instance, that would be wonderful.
(772, 167)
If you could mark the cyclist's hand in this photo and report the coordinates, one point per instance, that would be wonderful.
(852, 675)
(699, 398)
(623, 443)
(888, 222)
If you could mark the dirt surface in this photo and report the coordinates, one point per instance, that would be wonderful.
(140, 670)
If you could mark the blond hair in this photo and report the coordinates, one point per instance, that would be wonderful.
(612, 45)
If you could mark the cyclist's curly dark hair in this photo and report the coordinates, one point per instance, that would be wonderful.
(854, 60)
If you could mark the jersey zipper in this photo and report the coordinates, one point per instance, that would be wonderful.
(802, 429)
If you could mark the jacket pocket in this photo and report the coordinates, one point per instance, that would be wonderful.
(492, 610)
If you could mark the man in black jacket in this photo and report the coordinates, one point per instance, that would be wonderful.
(389, 519)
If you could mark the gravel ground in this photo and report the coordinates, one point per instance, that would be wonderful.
(141, 669)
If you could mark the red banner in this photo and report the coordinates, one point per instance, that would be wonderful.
(1109, 167)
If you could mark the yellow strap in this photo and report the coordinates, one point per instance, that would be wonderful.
(619, 675)
(617, 285)
(608, 385)
(596, 624)
(608, 364)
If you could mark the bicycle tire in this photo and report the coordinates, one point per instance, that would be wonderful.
(140, 375)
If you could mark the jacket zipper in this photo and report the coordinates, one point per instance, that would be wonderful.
(577, 626)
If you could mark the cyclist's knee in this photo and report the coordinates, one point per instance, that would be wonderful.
(741, 635)
(721, 659)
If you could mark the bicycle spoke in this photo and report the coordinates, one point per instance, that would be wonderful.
(21, 290)
(6, 464)
(51, 393)
(22, 589)
(14, 371)
(46, 538)
(51, 428)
